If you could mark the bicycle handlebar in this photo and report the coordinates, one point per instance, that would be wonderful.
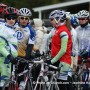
(39, 62)
(84, 60)
(22, 60)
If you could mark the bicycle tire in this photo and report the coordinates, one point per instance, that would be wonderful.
(29, 85)
(75, 81)
(5, 84)
(41, 85)
(53, 84)
(13, 86)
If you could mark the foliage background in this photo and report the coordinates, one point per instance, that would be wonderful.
(30, 3)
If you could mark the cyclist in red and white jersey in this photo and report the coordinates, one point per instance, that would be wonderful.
(61, 45)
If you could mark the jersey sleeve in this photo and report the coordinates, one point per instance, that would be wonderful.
(3, 50)
(62, 51)
(32, 36)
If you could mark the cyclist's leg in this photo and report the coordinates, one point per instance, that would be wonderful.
(35, 71)
(63, 78)
(61, 84)
(70, 84)
(85, 80)
(5, 72)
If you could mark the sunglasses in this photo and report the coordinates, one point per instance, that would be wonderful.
(9, 18)
(82, 19)
(24, 18)
(51, 19)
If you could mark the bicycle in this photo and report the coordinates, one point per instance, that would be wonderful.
(43, 82)
(11, 83)
(80, 76)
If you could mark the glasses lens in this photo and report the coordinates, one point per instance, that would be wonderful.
(82, 18)
(51, 19)
(9, 18)
(22, 18)
(26, 18)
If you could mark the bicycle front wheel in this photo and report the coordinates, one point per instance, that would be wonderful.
(29, 85)
(41, 84)
(13, 86)
(5, 85)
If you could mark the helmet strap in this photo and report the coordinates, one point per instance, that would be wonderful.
(83, 25)
(57, 21)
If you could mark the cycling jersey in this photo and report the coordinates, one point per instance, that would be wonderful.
(7, 35)
(83, 38)
(56, 44)
(8, 45)
(25, 35)
(2, 21)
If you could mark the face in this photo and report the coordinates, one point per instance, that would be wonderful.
(53, 22)
(11, 20)
(23, 20)
(82, 20)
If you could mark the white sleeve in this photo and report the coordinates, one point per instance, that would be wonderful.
(31, 41)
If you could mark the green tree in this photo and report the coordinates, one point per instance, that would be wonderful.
(29, 3)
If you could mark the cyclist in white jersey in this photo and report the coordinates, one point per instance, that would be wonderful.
(83, 32)
(74, 23)
(8, 44)
(25, 33)
(83, 40)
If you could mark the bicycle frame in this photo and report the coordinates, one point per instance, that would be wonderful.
(12, 82)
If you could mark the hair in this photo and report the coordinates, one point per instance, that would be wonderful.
(68, 24)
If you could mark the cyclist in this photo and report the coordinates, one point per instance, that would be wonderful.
(74, 23)
(83, 38)
(2, 7)
(40, 32)
(8, 44)
(25, 35)
(61, 46)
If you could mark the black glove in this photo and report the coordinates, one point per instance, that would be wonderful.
(48, 62)
(12, 59)
(83, 54)
(37, 54)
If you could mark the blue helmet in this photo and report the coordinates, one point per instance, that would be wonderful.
(74, 21)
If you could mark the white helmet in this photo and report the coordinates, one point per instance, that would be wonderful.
(83, 14)
(58, 15)
(25, 12)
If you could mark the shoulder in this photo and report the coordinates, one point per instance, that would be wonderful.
(2, 27)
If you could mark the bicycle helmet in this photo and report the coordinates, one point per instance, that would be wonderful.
(2, 7)
(74, 21)
(83, 14)
(10, 11)
(68, 15)
(25, 12)
(57, 15)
